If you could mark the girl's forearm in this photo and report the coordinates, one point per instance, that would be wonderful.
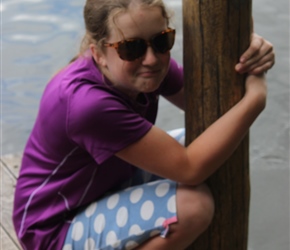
(215, 145)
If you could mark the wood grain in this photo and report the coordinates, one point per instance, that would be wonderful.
(12, 162)
(217, 32)
(5, 241)
(8, 181)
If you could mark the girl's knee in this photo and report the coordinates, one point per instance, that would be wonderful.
(195, 207)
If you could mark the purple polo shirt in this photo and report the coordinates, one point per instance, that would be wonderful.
(69, 158)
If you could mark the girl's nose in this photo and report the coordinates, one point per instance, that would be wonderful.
(150, 57)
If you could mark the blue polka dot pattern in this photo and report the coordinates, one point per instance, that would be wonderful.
(124, 220)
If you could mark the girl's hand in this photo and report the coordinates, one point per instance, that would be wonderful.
(258, 58)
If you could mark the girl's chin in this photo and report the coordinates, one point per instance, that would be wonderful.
(150, 87)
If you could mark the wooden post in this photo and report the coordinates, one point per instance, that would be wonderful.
(216, 33)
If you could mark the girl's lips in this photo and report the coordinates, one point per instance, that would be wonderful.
(150, 73)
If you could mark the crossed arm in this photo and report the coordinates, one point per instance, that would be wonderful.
(160, 154)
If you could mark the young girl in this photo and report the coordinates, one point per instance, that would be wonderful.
(84, 181)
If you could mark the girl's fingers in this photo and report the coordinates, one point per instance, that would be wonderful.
(266, 62)
(261, 54)
(255, 46)
(261, 69)
(265, 50)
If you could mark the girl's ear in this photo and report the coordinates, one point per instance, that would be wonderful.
(98, 55)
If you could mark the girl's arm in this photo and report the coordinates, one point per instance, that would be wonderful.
(258, 58)
(177, 99)
(160, 154)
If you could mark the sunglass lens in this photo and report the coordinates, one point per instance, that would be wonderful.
(164, 42)
(131, 50)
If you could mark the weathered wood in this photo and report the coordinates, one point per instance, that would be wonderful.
(5, 241)
(12, 162)
(8, 182)
(215, 35)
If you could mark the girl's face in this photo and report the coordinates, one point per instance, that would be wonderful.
(146, 73)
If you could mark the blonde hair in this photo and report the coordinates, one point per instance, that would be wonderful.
(98, 13)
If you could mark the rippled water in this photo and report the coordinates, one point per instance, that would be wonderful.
(41, 36)
(38, 38)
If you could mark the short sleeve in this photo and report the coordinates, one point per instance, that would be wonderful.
(173, 82)
(103, 124)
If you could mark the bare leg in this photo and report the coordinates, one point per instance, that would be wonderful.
(195, 209)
